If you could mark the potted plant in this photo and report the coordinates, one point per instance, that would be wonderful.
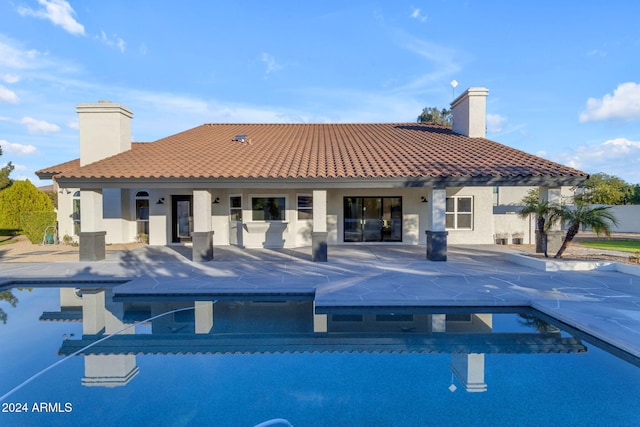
(517, 238)
(501, 238)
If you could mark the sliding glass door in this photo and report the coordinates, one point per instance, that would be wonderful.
(372, 219)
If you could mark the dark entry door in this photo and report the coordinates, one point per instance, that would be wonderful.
(372, 219)
(182, 218)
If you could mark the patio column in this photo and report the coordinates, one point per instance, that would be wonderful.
(553, 195)
(202, 236)
(92, 234)
(203, 311)
(319, 233)
(436, 235)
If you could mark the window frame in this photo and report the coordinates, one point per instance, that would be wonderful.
(456, 213)
(283, 210)
(142, 224)
(76, 213)
(232, 208)
(306, 209)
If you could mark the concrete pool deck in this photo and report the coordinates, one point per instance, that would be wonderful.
(603, 303)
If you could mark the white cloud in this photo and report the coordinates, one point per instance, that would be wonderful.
(12, 57)
(116, 42)
(7, 95)
(619, 157)
(39, 126)
(17, 149)
(495, 122)
(417, 14)
(271, 63)
(59, 12)
(10, 78)
(623, 105)
(444, 62)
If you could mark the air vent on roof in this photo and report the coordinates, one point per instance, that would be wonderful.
(242, 138)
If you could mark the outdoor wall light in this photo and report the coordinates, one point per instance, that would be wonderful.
(160, 201)
(424, 199)
(216, 200)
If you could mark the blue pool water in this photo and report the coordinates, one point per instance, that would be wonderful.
(265, 361)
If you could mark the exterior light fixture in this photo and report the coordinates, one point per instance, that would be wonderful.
(160, 201)
(216, 200)
(424, 199)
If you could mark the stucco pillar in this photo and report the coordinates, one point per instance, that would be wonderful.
(203, 312)
(553, 195)
(93, 311)
(436, 235)
(319, 252)
(159, 211)
(469, 369)
(202, 235)
(92, 234)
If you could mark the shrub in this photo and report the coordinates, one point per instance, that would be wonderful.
(34, 224)
(21, 197)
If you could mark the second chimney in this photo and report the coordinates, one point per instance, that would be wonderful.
(469, 112)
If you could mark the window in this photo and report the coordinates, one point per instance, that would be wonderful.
(459, 213)
(142, 212)
(75, 213)
(268, 208)
(305, 207)
(235, 208)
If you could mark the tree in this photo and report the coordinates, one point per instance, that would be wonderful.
(544, 219)
(598, 218)
(433, 115)
(5, 171)
(603, 189)
(21, 197)
(634, 197)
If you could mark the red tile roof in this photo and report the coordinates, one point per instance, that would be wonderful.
(372, 150)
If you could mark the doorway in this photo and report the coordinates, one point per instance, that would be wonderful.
(373, 219)
(181, 219)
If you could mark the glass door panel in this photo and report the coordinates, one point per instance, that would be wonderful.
(353, 219)
(371, 219)
(392, 219)
(182, 218)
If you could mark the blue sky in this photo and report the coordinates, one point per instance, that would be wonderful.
(563, 77)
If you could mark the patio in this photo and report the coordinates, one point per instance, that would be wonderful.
(605, 304)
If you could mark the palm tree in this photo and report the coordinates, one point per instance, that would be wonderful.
(598, 218)
(542, 210)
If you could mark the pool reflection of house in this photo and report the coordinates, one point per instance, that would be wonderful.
(259, 327)
(295, 185)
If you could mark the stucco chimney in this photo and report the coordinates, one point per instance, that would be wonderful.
(469, 112)
(105, 130)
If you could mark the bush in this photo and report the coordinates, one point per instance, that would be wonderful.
(34, 225)
(21, 197)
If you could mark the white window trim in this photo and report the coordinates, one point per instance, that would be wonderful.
(298, 206)
(231, 196)
(456, 213)
(286, 207)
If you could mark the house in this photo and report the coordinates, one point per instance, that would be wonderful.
(292, 185)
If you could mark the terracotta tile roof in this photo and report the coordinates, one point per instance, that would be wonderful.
(372, 150)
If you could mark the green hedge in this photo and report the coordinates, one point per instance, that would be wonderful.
(34, 225)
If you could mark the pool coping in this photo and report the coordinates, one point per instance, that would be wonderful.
(601, 299)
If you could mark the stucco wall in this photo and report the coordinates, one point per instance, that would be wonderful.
(628, 217)
(482, 232)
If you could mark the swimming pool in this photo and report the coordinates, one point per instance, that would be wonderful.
(240, 363)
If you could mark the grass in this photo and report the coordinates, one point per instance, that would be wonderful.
(614, 245)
